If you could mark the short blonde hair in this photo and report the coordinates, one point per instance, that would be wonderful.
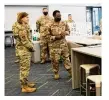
(21, 15)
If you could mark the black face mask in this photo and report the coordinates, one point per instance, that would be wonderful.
(45, 13)
(57, 19)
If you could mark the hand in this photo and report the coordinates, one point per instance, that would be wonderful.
(15, 37)
(31, 50)
(64, 33)
(58, 37)
(38, 39)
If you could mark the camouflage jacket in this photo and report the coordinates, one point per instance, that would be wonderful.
(69, 21)
(42, 25)
(58, 31)
(22, 36)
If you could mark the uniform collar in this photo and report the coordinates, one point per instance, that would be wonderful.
(70, 20)
(46, 16)
(55, 23)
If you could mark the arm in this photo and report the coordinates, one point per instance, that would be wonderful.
(38, 25)
(15, 31)
(54, 37)
(25, 41)
(30, 34)
(66, 32)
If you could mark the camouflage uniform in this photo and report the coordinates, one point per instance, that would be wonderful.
(58, 47)
(24, 45)
(42, 26)
(69, 21)
(15, 36)
(72, 25)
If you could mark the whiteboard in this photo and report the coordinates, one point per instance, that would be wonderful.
(11, 14)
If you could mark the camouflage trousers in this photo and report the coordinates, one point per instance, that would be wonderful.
(55, 54)
(44, 46)
(25, 61)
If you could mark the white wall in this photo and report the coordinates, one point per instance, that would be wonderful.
(11, 14)
(78, 13)
(54, 7)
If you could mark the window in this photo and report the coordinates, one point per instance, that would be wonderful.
(94, 15)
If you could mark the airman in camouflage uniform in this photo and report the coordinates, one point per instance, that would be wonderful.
(69, 19)
(42, 26)
(24, 48)
(58, 44)
(15, 35)
(71, 23)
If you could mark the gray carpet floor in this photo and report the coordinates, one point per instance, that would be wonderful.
(41, 74)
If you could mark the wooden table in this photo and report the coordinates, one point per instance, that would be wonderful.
(83, 40)
(83, 55)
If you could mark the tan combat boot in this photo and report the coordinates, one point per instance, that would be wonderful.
(27, 89)
(56, 76)
(31, 84)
